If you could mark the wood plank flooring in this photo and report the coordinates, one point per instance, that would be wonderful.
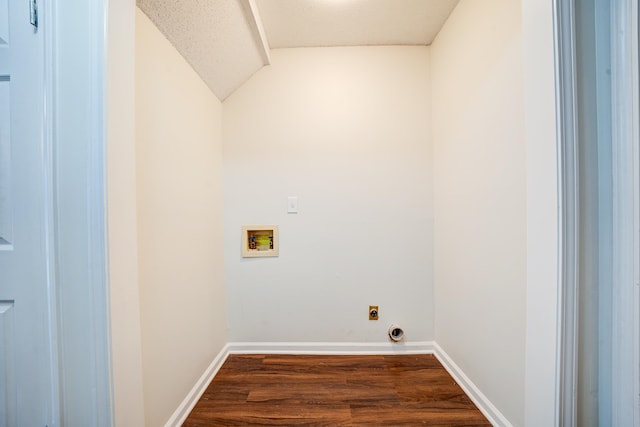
(268, 390)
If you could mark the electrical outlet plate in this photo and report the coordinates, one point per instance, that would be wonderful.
(373, 312)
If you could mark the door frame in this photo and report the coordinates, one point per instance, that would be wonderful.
(75, 142)
(91, 18)
(568, 190)
(626, 211)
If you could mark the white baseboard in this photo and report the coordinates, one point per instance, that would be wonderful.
(494, 416)
(492, 413)
(340, 348)
(180, 415)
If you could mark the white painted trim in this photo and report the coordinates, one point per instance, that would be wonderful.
(184, 409)
(624, 110)
(76, 79)
(568, 195)
(335, 348)
(635, 135)
(492, 413)
(48, 28)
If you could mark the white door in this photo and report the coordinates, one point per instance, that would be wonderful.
(27, 395)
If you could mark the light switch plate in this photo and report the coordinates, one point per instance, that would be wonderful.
(292, 204)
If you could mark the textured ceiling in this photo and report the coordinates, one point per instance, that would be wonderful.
(296, 23)
(227, 41)
(217, 37)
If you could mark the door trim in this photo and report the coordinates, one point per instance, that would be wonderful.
(625, 381)
(75, 62)
(568, 194)
(626, 224)
(46, 26)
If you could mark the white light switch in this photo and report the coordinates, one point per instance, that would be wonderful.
(292, 204)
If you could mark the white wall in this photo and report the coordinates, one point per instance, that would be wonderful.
(480, 198)
(121, 205)
(347, 131)
(542, 213)
(179, 199)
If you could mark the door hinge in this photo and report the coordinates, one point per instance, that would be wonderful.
(33, 12)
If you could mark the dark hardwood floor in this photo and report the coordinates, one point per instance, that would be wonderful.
(334, 391)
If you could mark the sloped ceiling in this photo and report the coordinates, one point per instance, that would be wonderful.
(227, 41)
(216, 37)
